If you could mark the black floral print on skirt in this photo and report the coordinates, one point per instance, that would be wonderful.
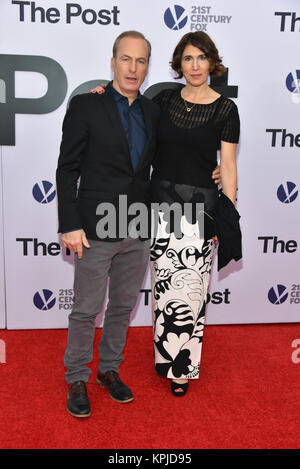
(180, 274)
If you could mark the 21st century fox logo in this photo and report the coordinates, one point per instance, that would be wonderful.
(279, 293)
(177, 17)
(45, 299)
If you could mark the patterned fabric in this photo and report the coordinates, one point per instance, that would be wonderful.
(180, 270)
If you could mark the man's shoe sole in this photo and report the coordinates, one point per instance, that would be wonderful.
(78, 415)
(117, 400)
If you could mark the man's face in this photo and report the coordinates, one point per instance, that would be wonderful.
(130, 66)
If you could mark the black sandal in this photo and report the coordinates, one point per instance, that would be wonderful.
(183, 387)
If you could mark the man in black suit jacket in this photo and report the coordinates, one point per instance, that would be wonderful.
(108, 142)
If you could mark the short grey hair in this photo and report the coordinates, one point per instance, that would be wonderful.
(136, 35)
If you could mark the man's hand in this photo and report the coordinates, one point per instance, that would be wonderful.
(74, 241)
(216, 175)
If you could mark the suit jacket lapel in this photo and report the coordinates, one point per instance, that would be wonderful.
(116, 122)
(148, 121)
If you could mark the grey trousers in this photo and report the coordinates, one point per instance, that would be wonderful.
(124, 262)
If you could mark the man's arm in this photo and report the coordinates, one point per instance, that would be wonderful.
(74, 139)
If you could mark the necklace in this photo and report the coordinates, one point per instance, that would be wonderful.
(188, 108)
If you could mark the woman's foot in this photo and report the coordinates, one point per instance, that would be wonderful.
(179, 387)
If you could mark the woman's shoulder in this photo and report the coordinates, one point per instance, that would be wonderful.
(227, 102)
(227, 107)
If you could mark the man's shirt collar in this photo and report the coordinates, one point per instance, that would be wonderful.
(120, 97)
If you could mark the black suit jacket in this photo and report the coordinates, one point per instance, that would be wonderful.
(94, 148)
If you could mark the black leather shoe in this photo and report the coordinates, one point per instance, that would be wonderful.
(117, 389)
(78, 403)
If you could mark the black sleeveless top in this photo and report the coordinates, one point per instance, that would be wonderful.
(188, 141)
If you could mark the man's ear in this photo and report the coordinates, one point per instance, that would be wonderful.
(112, 64)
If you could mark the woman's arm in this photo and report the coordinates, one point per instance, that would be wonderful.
(228, 169)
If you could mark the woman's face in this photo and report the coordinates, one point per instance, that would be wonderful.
(195, 66)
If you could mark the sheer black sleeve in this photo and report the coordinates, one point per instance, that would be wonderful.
(231, 129)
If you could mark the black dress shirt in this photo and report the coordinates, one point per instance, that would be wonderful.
(133, 123)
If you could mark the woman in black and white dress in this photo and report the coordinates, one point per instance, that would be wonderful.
(195, 123)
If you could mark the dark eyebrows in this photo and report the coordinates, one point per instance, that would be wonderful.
(190, 56)
(138, 58)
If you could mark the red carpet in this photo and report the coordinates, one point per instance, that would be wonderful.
(247, 396)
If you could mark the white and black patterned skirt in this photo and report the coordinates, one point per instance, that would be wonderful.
(180, 275)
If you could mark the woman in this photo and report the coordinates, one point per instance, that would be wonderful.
(195, 123)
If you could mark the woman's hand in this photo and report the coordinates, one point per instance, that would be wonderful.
(99, 89)
(216, 175)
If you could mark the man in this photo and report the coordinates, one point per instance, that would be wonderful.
(109, 142)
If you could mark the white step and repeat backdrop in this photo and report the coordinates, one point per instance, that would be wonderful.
(2, 283)
(49, 48)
